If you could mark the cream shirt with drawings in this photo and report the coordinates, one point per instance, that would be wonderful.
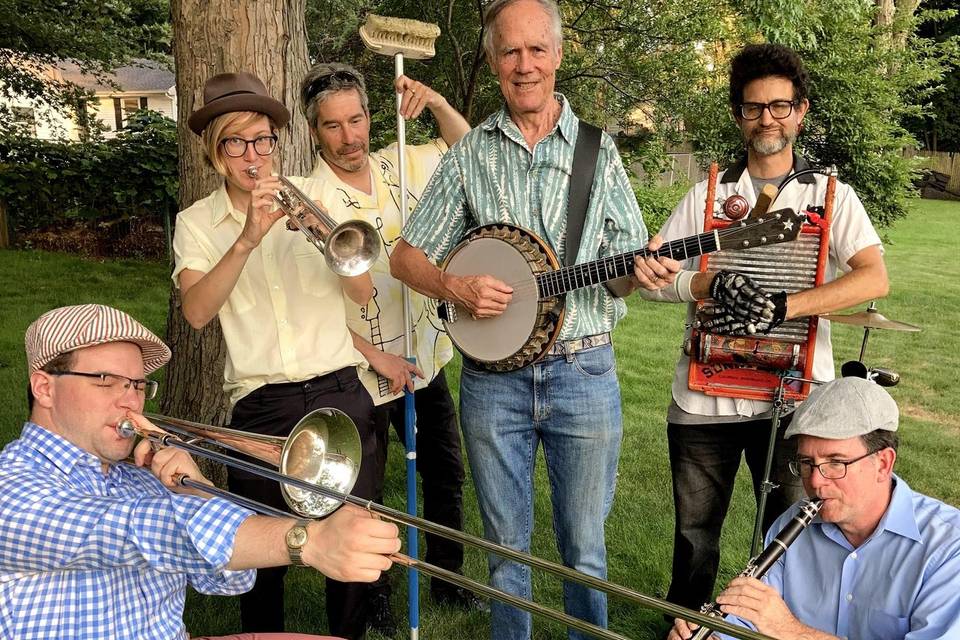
(284, 319)
(850, 232)
(380, 322)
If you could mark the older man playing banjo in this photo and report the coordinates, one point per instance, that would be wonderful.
(515, 167)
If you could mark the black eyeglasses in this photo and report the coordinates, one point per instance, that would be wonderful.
(833, 470)
(235, 147)
(117, 383)
(779, 109)
(323, 83)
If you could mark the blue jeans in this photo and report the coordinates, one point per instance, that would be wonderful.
(572, 405)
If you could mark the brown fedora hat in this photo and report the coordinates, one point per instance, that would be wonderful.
(227, 92)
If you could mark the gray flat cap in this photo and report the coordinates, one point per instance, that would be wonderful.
(845, 408)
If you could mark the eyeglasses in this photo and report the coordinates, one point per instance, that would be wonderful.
(323, 83)
(117, 383)
(779, 109)
(833, 470)
(236, 147)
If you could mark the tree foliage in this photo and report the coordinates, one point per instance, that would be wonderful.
(99, 35)
(939, 127)
(867, 79)
(627, 63)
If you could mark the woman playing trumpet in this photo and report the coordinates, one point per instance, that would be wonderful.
(280, 306)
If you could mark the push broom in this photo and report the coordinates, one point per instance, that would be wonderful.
(399, 37)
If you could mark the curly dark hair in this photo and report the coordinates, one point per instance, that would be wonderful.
(762, 61)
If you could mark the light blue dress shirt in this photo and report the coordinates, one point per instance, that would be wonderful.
(87, 555)
(491, 175)
(902, 583)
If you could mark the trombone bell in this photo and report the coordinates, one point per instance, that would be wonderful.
(323, 449)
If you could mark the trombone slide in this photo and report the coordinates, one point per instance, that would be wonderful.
(290, 457)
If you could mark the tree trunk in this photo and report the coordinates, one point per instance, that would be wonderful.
(885, 13)
(268, 38)
(4, 227)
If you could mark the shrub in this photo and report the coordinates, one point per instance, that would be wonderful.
(106, 187)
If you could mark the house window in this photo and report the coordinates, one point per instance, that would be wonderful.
(124, 107)
(25, 120)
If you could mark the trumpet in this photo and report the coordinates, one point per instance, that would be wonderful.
(350, 248)
(317, 465)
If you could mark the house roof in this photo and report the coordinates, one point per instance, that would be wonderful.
(140, 75)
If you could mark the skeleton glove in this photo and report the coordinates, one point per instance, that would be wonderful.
(742, 306)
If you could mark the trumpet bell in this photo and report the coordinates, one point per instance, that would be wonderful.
(352, 248)
(324, 449)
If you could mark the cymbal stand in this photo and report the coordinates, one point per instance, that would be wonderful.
(866, 332)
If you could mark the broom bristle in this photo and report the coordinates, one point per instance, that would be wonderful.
(388, 36)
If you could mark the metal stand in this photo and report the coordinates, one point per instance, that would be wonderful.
(766, 487)
(409, 404)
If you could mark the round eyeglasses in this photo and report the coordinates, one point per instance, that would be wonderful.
(779, 109)
(833, 470)
(117, 383)
(235, 147)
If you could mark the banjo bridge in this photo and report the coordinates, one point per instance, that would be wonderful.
(447, 311)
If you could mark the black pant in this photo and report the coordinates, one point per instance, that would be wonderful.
(704, 460)
(439, 463)
(275, 409)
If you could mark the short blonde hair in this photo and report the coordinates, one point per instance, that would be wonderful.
(224, 126)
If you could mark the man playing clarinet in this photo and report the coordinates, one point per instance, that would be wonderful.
(879, 561)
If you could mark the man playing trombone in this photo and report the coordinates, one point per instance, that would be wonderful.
(93, 548)
(281, 308)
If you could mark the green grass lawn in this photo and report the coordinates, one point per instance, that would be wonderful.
(921, 257)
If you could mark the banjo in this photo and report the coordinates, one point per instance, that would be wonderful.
(529, 326)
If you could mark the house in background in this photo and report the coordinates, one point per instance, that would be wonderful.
(144, 84)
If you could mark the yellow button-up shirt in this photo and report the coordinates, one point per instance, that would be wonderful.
(284, 319)
(380, 322)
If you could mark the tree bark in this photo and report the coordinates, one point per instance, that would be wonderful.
(4, 227)
(267, 38)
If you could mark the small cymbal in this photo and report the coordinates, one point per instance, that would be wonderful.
(870, 319)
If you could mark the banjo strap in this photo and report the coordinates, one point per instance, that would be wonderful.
(581, 181)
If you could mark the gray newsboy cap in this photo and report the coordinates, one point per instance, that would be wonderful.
(845, 408)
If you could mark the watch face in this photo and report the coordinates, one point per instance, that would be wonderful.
(297, 536)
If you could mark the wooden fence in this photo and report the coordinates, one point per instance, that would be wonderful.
(941, 162)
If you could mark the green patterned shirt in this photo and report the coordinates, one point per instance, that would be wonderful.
(492, 176)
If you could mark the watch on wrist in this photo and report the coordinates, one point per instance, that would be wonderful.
(296, 538)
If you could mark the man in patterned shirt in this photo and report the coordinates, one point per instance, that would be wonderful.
(515, 168)
(93, 548)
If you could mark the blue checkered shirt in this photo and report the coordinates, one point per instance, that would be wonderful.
(88, 555)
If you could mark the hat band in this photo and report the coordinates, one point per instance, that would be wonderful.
(232, 93)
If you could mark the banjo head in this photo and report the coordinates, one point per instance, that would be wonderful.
(517, 337)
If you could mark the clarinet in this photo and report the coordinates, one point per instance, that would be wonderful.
(758, 566)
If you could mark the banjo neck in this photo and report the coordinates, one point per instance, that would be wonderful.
(775, 227)
(587, 274)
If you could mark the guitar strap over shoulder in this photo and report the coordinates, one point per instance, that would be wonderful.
(581, 181)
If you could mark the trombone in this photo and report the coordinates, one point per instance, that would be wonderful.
(350, 248)
(317, 465)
